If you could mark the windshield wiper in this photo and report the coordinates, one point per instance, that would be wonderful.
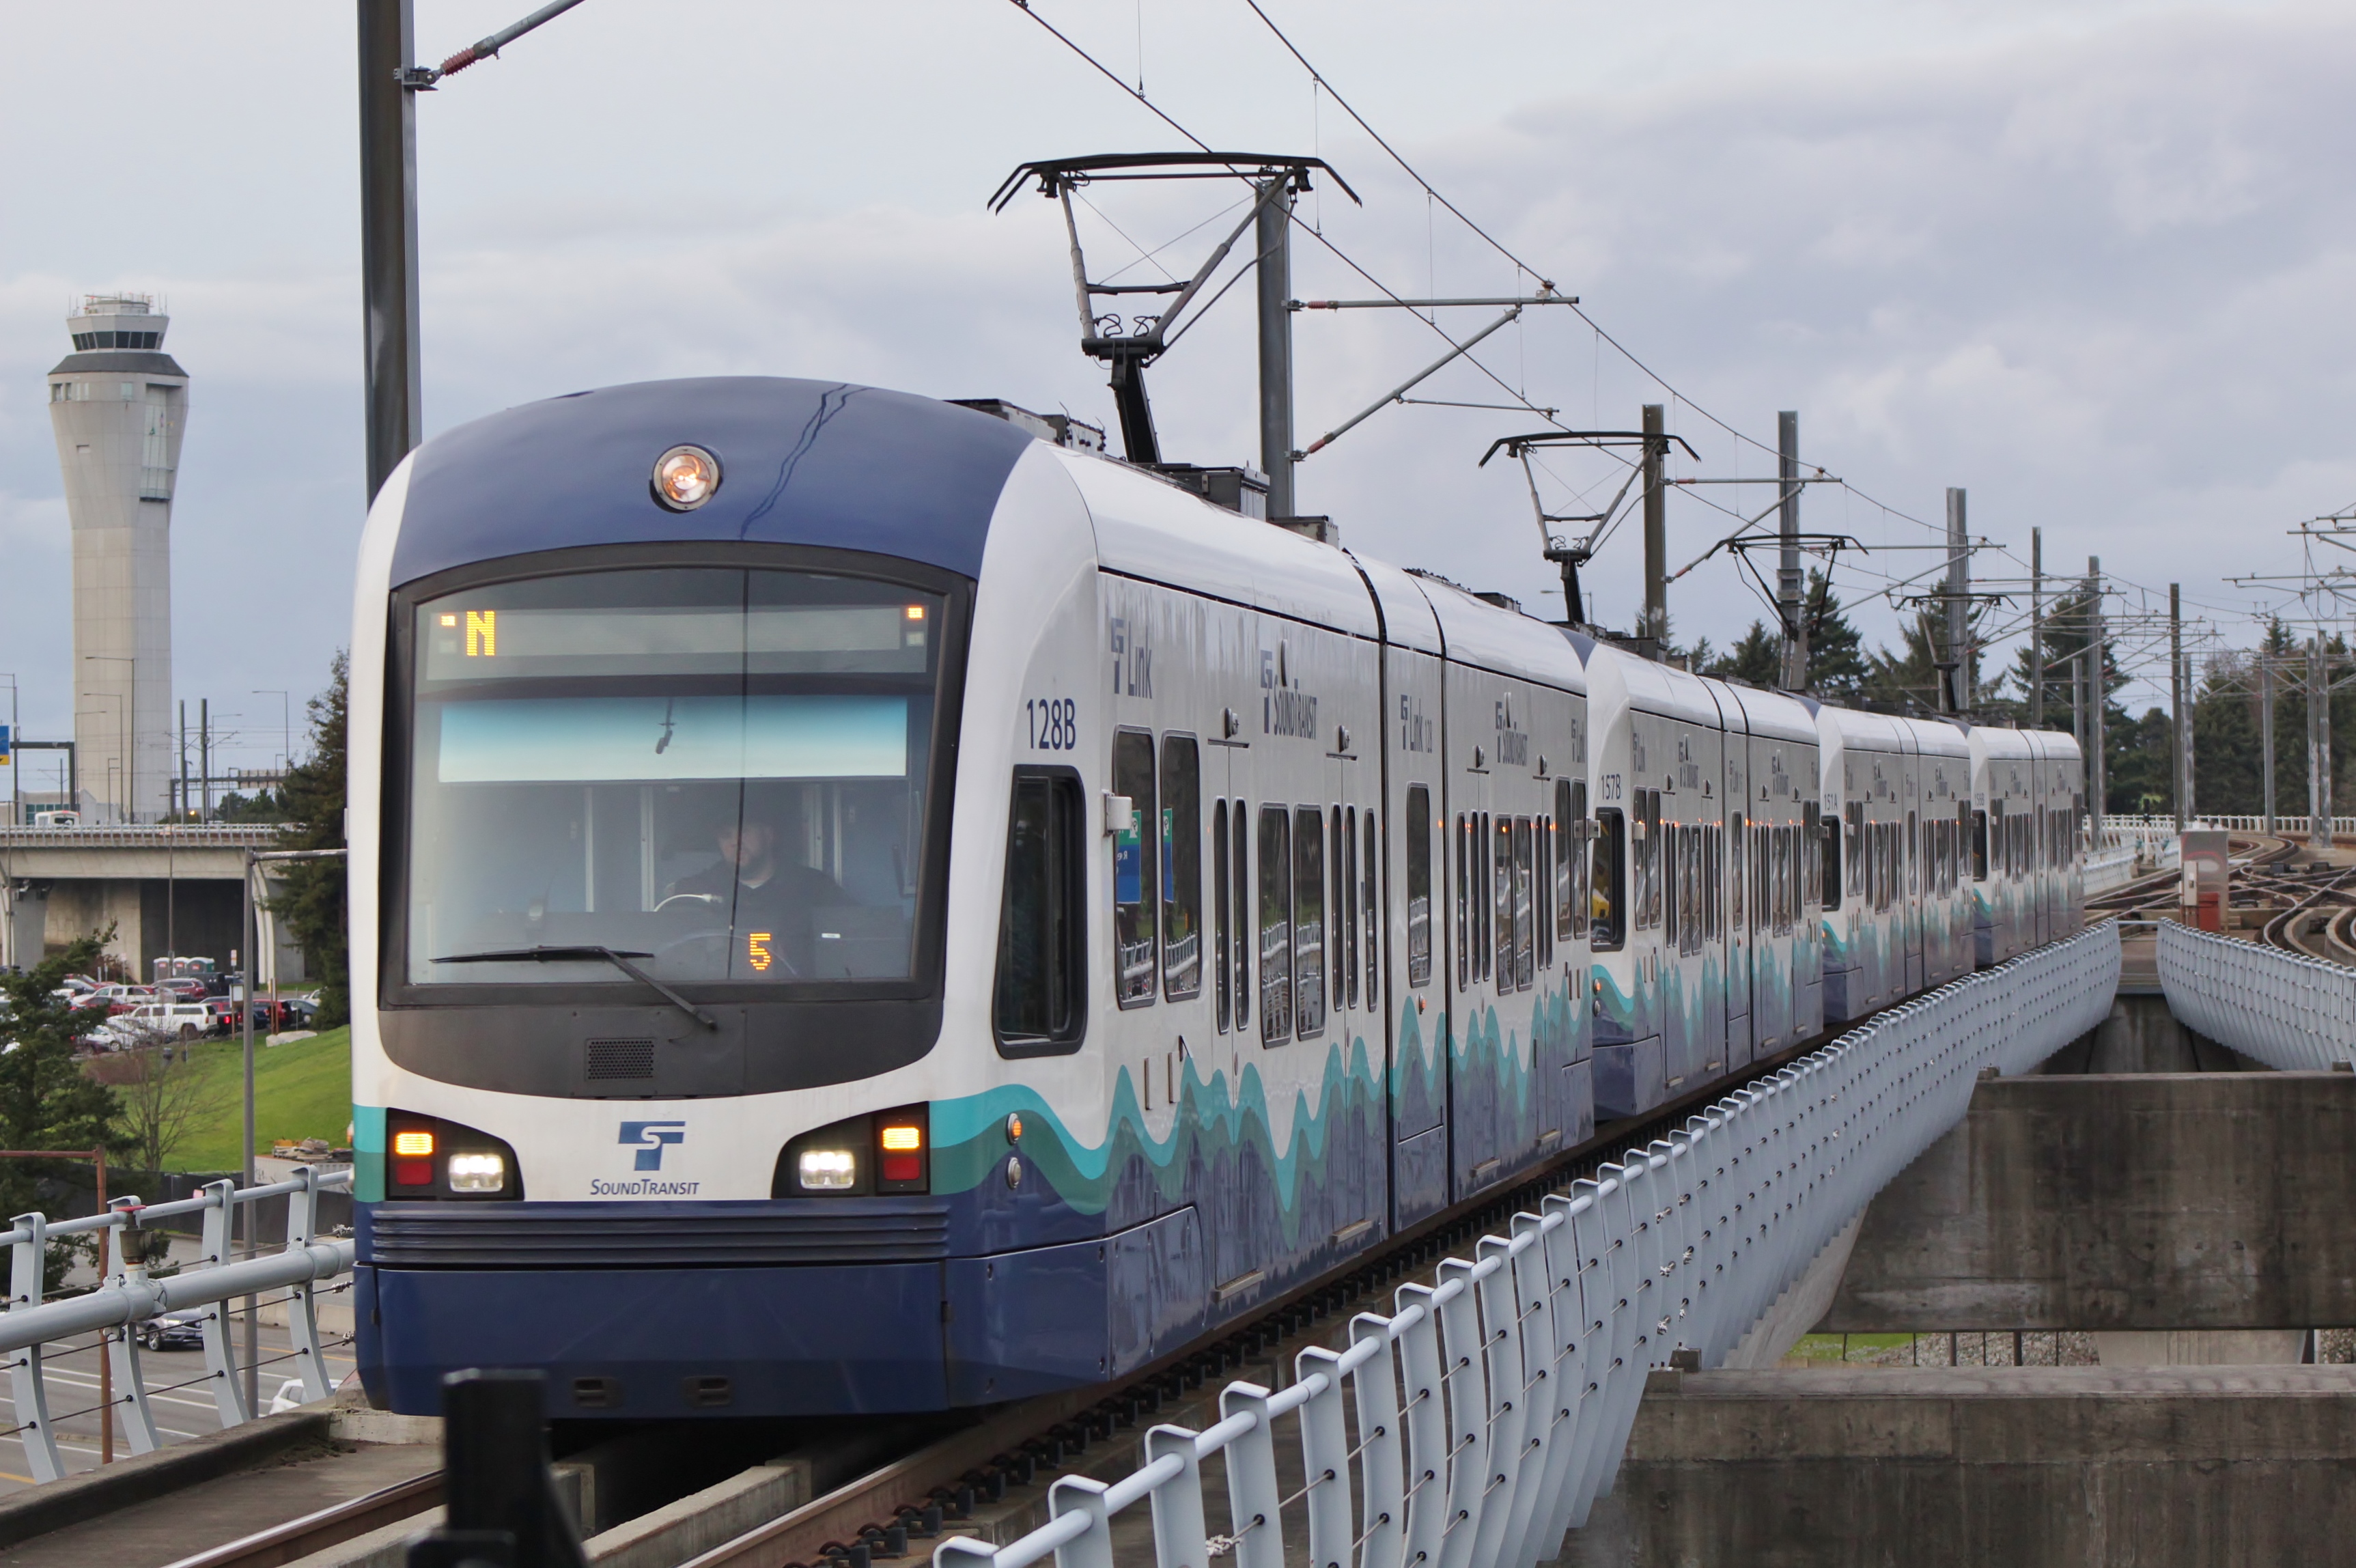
(620, 961)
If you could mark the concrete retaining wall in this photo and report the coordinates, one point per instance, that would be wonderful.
(1945, 1468)
(2161, 1201)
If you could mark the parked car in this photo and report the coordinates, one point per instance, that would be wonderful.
(223, 1013)
(187, 987)
(182, 1329)
(153, 1023)
(290, 1013)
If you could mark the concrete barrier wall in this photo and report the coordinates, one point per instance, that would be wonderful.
(2181, 1467)
(2158, 1201)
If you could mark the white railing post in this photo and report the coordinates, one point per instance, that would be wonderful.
(220, 1355)
(1092, 1547)
(130, 1375)
(1465, 1384)
(28, 1263)
(1253, 1512)
(1181, 1538)
(1325, 1458)
(302, 1303)
(1381, 1448)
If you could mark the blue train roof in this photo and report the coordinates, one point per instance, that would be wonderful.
(821, 463)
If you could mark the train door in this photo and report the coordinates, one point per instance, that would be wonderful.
(1910, 911)
(1734, 831)
(1823, 846)
(1406, 843)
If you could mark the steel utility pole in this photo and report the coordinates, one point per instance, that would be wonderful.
(1656, 531)
(388, 235)
(1275, 239)
(1789, 582)
(2267, 739)
(2036, 629)
(2098, 696)
(2318, 748)
(2176, 752)
(1959, 607)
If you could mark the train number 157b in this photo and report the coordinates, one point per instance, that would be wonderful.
(1055, 723)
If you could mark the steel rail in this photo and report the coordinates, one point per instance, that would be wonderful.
(327, 1527)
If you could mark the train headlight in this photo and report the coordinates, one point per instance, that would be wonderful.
(827, 1170)
(685, 478)
(477, 1172)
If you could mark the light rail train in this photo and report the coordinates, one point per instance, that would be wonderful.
(857, 908)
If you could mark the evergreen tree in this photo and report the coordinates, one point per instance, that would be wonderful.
(1757, 659)
(47, 1102)
(314, 903)
(1836, 666)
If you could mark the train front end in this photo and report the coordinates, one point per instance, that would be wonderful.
(654, 709)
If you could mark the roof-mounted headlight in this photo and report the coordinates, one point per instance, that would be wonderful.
(685, 478)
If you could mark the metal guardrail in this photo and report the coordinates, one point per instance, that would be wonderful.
(1492, 1406)
(2293, 1013)
(33, 1327)
(145, 835)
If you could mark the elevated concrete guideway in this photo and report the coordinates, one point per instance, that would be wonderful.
(156, 886)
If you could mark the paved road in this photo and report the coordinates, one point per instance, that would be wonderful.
(181, 1412)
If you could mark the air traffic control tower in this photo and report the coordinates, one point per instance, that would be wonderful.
(119, 404)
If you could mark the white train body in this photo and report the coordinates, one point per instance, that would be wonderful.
(1159, 909)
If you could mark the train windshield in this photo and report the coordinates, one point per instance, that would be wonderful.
(707, 776)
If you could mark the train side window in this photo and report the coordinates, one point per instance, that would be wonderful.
(1818, 854)
(1738, 860)
(1979, 846)
(1309, 922)
(1372, 899)
(1136, 863)
(1222, 969)
(1464, 905)
(1040, 1006)
(1182, 867)
(1608, 881)
(1418, 885)
(1542, 887)
(1853, 861)
(1501, 900)
(1346, 895)
(1576, 830)
(1240, 885)
(1565, 869)
(1526, 922)
(1275, 925)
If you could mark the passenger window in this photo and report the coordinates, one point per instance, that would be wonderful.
(1979, 846)
(1542, 884)
(1565, 861)
(1181, 868)
(1346, 895)
(1373, 903)
(1463, 904)
(1500, 899)
(1275, 925)
(1818, 854)
(1578, 831)
(1136, 861)
(1222, 932)
(1309, 922)
(1526, 925)
(1342, 851)
(1418, 885)
(1042, 988)
(1607, 896)
(1239, 883)
(1855, 859)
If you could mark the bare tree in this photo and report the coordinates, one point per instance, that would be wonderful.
(164, 1097)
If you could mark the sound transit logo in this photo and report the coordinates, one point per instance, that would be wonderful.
(650, 1139)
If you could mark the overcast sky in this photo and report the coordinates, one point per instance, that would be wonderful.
(2091, 260)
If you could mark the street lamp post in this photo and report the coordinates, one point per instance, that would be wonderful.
(254, 859)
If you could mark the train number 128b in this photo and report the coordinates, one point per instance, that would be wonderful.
(1055, 723)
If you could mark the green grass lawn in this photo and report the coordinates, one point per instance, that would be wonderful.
(303, 1089)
